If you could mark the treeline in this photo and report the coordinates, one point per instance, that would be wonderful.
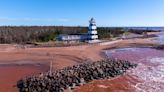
(26, 34)
(108, 32)
(141, 31)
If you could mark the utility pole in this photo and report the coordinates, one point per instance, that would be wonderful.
(51, 65)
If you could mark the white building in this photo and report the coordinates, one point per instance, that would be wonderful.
(92, 31)
(73, 38)
(89, 37)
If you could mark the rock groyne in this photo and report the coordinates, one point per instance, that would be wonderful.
(70, 77)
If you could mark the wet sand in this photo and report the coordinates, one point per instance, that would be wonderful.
(18, 63)
(9, 74)
(17, 60)
(118, 84)
(147, 77)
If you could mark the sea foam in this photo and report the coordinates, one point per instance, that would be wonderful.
(152, 78)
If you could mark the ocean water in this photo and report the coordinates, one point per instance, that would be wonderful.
(147, 28)
(160, 38)
(150, 69)
(148, 76)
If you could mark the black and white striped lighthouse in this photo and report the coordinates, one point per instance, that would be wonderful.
(92, 32)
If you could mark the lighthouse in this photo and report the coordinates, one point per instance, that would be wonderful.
(90, 37)
(92, 32)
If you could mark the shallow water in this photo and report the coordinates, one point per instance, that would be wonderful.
(150, 68)
(11, 73)
(160, 38)
(147, 77)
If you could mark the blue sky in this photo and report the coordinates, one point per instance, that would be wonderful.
(78, 12)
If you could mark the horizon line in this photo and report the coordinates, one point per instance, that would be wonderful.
(75, 26)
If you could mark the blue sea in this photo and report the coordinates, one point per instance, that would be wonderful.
(160, 39)
(147, 28)
(143, 28)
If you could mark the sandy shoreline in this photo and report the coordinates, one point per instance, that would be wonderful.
(61, 57)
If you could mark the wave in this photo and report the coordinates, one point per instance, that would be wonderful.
(150, 69)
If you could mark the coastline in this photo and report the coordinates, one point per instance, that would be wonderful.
(67, 56)
(133, 84)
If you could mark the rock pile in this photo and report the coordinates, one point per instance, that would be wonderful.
(70, 77)
(159, 47)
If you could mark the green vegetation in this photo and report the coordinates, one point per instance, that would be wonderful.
(106, 32)
(30, 34)
(49, 36)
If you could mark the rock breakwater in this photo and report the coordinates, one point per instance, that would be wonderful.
(70, 77)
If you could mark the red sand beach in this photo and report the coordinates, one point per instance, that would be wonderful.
(147, 77)
(16, 63)
(9, 74)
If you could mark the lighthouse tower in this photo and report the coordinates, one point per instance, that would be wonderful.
(92, 32)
